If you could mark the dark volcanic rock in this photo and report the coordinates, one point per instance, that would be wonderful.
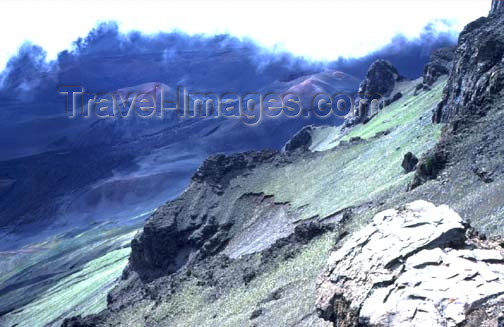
(378, 85)
(301, 141)
(439, 64)
(477, 77)
(79, 321)
(219, 169)
(471, 107)
(256, 313)
(178, 233)
(393, 98)
(167, 242)
(380, 79)
(428, 168)
(305, 232)
(497, 7)
(471, 149)
(409, 162)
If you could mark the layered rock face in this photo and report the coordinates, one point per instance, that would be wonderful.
(471, 108)
(477, 76)
(178, 232)
(412, 266)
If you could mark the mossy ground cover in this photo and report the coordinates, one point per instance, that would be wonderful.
(64, 276)
(349, 175)
(402, 112)
(194, 307)
(82, 291)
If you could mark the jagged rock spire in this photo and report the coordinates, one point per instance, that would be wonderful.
(497, 7)
(380, 79)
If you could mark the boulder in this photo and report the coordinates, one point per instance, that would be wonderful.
(409, 162)
(411, 266)
(428, 168)
(380, 79)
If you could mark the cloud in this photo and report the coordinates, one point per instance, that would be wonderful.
(107, 59)
(409, 55)
(320, 30)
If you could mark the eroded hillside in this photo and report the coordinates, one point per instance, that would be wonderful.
(247, 240)
(245, 243)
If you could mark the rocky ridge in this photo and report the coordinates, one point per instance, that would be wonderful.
(470, 107)
(439, 64)
(177, 233)
(478, 70)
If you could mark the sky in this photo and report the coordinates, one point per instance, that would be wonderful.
(316, 29)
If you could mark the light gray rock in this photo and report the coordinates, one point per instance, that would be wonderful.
(409, 267)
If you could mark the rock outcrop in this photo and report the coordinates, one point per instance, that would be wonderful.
(301, 141)
(409, 162)
(379, 84)
(471, 108)
(439, 64)
(497, 7)
(428, 168)
(178, 233)
(477, 77)
(380, 79)
(412, 266)
(218, 170)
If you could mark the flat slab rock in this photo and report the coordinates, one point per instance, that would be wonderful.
(410, 267)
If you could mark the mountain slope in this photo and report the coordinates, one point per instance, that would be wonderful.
(251, 228)
(246, 241)
(253, 241)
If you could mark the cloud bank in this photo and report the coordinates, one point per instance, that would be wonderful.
(319, 30)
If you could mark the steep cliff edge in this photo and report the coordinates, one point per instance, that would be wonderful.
(466, 168)
(477, 78)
